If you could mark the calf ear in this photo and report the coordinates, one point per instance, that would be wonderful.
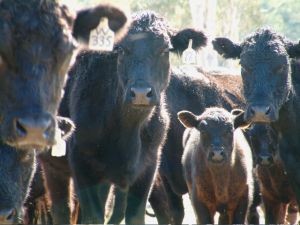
(188, 119)
(293, 49)
(88, 19)
(227, 48)
(239, 120)
(66, 126)
(180, 40)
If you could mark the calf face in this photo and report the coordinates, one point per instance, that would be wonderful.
(216, 132)
(144, 57)
(264, 58)
(263, 140)
(36, 47)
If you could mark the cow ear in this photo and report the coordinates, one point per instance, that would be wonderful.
(188, 119)
(227, 48)
(88, 19)
(239, 120)
(293, 49)
(66, 126)
(180, 40)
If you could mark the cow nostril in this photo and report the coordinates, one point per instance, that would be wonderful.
(222, 154)
(11, 215)
(268, 110)
(252, 111)
(21, 130)
(150, 94)
(132, 93)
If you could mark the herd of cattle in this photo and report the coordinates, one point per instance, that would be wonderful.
(137, 129)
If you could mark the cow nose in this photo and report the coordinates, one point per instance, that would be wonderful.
(265, 160)
(217, 155)
(7, 215)
(141, 95)
(261, 113)
(30, 130)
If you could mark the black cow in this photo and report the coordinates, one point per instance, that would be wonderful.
(17, 169)
(117, 103)
(36, 46)
(272, 95)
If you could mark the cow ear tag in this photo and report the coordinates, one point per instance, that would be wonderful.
(59, 149)
(102, 38)
(189, 56)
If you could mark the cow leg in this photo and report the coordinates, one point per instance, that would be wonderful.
(92, 198)
(203, 214)
(137, 198)
(272, 211)
(175, 203)
(159, 201)
(240, 212)
(58, 189)
(117, 205)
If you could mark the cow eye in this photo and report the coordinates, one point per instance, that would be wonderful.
(123, 50)
(164, 51)
(279, 69)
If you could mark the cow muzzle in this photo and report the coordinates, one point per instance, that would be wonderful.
(33, 132)
(261, 113)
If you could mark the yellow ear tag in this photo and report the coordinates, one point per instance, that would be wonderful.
(59, 149)
(189, 56)
(102, 38)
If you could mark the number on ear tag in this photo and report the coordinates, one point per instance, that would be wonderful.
(102, 38)
(59, 149)
(189, 56)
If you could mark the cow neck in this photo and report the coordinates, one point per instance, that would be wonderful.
(289, 113)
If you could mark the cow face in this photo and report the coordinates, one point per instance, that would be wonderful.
(144, 57)
(264, 58)
(263, 140)
(16, 171)
(216, 132)
(36, 47)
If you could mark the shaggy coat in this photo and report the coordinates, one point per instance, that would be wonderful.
(217, 163)
(270, 90)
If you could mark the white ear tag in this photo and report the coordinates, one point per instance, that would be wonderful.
(102, 38)
(189, 56)
(59, 149)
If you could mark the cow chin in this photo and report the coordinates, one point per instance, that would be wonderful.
(28, 145)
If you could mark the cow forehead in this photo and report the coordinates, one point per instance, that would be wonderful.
(32, 21)
(263, 52)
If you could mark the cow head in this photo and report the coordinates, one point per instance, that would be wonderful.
(37, 42)
(264, 58)
(17, 169)
(262, 138)
(144, 57)
(216, 132)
